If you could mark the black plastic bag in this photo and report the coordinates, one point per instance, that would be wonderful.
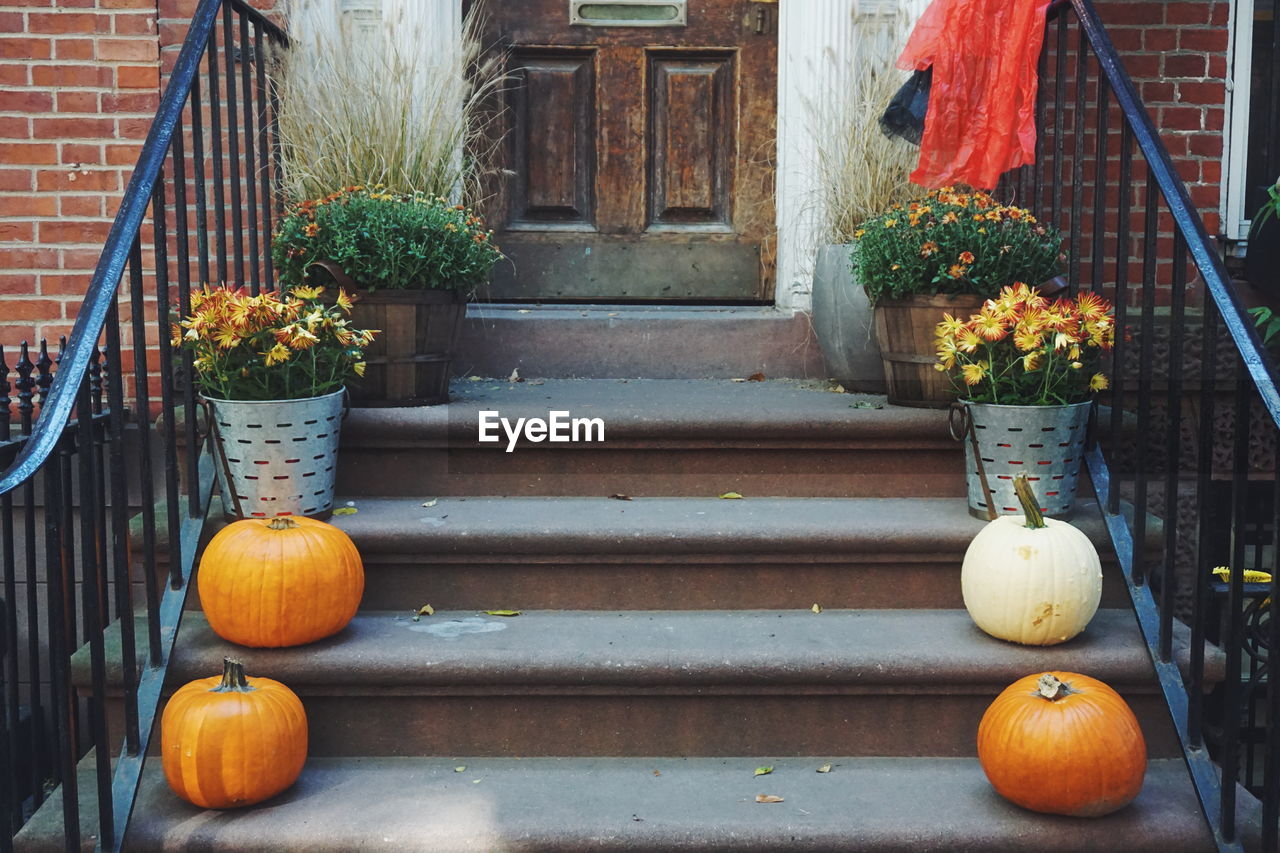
(904, 117)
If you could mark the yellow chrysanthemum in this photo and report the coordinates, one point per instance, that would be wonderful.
(344, 301)
(1032, 361)
(1099, 382)
(307, 292)
(947, 352)
(968, 341)
(950, 325)
(989, 326)
(227, 338)
(1026, 339)
(1092, 306)
(277, 354)
(974, 372)
(358, 367)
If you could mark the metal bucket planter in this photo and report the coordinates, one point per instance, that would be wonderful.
(1047, 442)
(279, 456)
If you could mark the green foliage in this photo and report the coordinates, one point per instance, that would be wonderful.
(1268, 323)
(953, 242)
(1269, 209)
(382, 239)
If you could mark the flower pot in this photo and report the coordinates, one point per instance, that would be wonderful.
(842, 322)
(1045, 442)
(409, 363)
(277, 457)
(905, 333)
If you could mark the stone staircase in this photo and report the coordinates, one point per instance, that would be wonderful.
(667, 644)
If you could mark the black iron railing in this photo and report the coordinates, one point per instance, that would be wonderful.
(1185, 465)
(104, 473)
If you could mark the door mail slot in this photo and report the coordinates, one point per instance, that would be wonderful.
(629, 13)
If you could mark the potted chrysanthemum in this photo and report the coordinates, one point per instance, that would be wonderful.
(414, 260)
(949, 250)
(272, 368)
(1027, 368)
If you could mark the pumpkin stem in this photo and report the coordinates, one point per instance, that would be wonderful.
(1030, 507)
(1051, 688)
(233, 678)
(282, 522)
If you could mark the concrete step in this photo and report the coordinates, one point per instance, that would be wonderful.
(673, 553)
(661, 437)
(696, 683)
(869, 805)
(630, 341)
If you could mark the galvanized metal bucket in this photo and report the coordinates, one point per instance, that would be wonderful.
(280, 456)
(1045, 442)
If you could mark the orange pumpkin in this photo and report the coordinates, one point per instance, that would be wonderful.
(232, 741)
(280, 582)
(1063, 743)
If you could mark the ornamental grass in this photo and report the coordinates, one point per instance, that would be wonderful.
(273, 346)
(394, 103)
(1022, 349)
(953, 241)
(861, 170)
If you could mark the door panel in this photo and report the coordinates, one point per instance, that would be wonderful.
(638, 161)
(691, 162)
(554, 154)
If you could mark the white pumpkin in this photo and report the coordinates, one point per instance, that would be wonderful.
(1029, 579)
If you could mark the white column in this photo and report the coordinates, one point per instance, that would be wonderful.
(818, 45)
(814, 38)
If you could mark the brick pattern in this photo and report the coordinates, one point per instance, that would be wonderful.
(79, 84)
(1165, 45)
(1176, 51)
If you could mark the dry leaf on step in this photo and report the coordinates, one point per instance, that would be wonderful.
(768, 798)
(756, 377)
(431, 502)
(620, 497)
(731, 496)
(763, 771)
(826, 768)
(737, 380)
(515, 376)
(460, 768)
(817, 608)
(345, 510)
(503, 612)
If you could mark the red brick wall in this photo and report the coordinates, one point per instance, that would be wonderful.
(79, 83)
(1176, 51)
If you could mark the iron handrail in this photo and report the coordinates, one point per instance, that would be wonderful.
(101, 293)
(1215, 793)
(1259, 361)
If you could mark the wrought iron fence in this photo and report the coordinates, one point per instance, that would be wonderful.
(1185, 462)
(105, 478)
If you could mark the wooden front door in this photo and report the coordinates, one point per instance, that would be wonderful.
(638, 160)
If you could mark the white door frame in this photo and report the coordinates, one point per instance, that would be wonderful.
(817, 40)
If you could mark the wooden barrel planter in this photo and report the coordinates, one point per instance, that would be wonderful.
(905, 331)
(409, 362)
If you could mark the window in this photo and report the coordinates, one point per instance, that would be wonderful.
(1253, 158)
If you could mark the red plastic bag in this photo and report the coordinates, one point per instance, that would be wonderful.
(981, 120)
